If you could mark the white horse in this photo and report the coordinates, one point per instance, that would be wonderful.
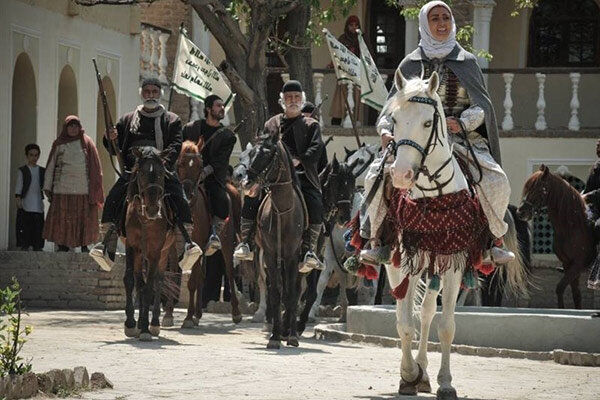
(334, 256)
(424, 152)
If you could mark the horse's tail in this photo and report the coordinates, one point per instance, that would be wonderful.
(515, 279)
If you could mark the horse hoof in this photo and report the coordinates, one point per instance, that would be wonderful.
(342, 319)
(196, 320)
(446, 394)
(312, 319)
(293, 341)
(132, 332)
(188, 323)
(407, 388)
(167, 321)
(273, 344)
(154, 330)
(145, 337)
(424, 386)
(237, 318)
(258, 317)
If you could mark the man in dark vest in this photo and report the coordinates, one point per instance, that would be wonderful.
(150, 124)
(218, 145)
(302, 136)
(29, 199)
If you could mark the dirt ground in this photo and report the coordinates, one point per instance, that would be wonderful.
(220, 360)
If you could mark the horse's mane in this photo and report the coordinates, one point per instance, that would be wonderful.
(399, 100)
(563, 198)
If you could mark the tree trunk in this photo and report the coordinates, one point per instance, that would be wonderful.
(300, 60)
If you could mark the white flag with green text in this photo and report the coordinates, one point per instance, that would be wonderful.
(372, 88)
(196, 76)
(345, 62)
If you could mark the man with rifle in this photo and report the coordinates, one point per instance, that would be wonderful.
(148, 125)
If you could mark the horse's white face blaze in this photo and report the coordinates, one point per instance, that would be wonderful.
(413, 121)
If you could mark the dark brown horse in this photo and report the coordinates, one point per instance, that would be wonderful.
(189, 167)
(573, 237)
(150, 236)
(279, 234)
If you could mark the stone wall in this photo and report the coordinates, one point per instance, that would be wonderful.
(63, 280)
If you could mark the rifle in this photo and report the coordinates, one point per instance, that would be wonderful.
(108, 122)
(318, 106)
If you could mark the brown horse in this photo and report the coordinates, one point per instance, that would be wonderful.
(279, 233)
(189, 167)
(150, 236)
(573, 237)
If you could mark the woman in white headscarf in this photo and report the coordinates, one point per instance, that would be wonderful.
(467, 106)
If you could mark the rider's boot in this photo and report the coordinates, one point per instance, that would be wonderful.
(242, 251)
(500, 254)
(214, 241)
(104, 252)
(191, 251)
(376, 255)
(311, 238)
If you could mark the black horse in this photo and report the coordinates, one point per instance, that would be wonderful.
(338, 185)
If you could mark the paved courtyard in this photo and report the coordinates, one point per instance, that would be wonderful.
(219, 360)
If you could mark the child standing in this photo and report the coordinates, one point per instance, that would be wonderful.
(30, 205)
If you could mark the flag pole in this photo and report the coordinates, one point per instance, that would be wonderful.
(352, 118)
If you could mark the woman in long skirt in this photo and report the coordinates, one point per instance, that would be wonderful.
(73, 184)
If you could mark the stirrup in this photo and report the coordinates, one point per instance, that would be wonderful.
(375, 256)
(191, 254)
(243, 253)
(310, 262)
(501, 255)
(213, 245)
(99, 255)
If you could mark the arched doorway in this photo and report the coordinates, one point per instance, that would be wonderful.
(67, 96)
(23, 127)
(108, 176)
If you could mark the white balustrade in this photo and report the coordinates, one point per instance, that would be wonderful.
(163, 63)
(146, 44)
(318, 83)
(540, 123)
(574, 121)
(348, 121)
(153, 68)
(285, 77)
(507, 122)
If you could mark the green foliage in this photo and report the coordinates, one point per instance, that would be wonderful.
(522, 5)
(12, 334)
(463, 33)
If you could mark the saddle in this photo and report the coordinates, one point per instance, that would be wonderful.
(302, 201)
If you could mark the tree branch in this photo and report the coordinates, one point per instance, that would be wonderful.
(283, 7)
(230, 23)
(238, 83)
(234, 50)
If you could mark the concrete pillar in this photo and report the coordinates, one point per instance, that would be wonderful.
(411, 28)
(482, 16)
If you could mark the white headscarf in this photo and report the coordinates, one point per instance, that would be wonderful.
(434, 48)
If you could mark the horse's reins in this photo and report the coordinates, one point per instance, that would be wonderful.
(434, 138)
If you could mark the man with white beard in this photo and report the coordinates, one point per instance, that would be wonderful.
(150, 124)
(302, 137)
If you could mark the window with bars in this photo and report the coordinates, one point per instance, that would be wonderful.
(565, 34)
(386, 30)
